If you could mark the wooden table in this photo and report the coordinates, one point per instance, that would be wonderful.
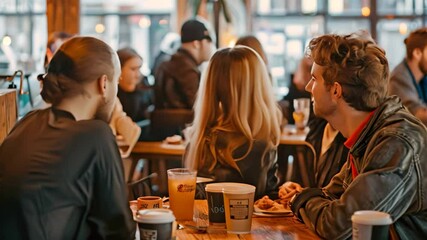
(262, 228)
(161, 149)
(290, 136)
(158, 149)
(156, 153)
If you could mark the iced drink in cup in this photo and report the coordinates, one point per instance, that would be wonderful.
(239, 206)
(182, 188)
(301, 112)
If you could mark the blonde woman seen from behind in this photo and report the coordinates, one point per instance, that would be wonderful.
(236, 128)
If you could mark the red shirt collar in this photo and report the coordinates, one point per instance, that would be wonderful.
(353, 138)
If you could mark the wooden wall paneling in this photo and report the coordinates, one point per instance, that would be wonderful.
(63, 15)
(8, 111)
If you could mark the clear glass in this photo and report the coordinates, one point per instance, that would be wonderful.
(301, 113)
(182, 189)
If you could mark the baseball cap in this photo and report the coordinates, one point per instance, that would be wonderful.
(194, 30)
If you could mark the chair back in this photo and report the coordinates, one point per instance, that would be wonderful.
(141, 187)
(129, 132)
(169, 122)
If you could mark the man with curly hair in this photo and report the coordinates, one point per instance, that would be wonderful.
(386, 169)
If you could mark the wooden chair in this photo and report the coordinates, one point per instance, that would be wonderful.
(129, 134)
(141, 187)
(301, 170)
(169, 122)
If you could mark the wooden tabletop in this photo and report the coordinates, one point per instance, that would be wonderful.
(157, 149)
(262, 228)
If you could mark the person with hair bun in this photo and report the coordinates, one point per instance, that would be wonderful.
(236, 128)
(60, 168)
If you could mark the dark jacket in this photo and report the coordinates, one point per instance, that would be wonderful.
(136, 104)
(402, 85)
(177, 82)
(258, 168)
(331, 162)
(62, 179)
(391, 158)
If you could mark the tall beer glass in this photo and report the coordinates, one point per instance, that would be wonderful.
(182, 188)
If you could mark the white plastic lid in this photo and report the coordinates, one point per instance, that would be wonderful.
(214, 187)
(369, 217)
(230, 187)
(155, 216)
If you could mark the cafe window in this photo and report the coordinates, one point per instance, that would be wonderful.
(22, 41)
(128, 23)
(23, 36)
(397, 30)
(285, 27)
(400, 7)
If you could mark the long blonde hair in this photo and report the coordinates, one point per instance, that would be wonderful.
(236, 98)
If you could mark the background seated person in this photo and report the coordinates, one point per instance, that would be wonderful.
(68, 182)
(236, 128)
(409, 79)
(255, 44)
(296, 90)
(177, 80)
(134, 95)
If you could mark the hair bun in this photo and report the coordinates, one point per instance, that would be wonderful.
(41, 77)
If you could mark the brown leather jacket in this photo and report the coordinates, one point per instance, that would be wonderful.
(391, 158)
(177, 82)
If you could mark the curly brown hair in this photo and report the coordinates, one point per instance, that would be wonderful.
(357, 63)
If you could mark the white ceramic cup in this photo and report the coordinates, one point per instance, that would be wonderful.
(369, 224)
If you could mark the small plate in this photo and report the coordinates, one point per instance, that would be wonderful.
(203, 180)
(258, 214)
(284, 211)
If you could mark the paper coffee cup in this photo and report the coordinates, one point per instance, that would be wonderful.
(156, 224)
(369, 224)
(215, 199)
(239, 206)
(148, 202)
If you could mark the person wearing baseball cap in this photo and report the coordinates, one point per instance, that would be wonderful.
(177, 80)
